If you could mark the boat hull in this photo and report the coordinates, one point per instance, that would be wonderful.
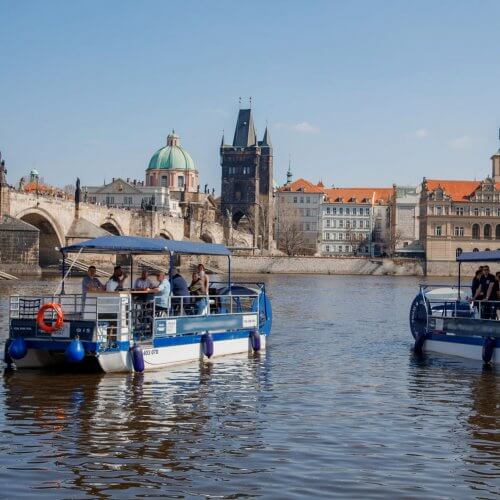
(469, 348)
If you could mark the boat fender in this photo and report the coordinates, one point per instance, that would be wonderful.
(255, 340)
(488, 348)
(18, 348)
(137, 358)
(75, 352)
(207, 343)
(418, 347)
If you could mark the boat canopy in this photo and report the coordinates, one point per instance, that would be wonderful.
(136, 245)
(486, 256)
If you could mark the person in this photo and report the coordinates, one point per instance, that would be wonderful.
(197, 289)
(162, 292)
(115, 283)
(484, 290)
(475, 281)
(494, 295)
(91, 283)
(143, 283)
(179, 289)
(203, 277)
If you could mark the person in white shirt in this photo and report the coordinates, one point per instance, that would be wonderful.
(115, 283)
(143, 283)
(162, 292)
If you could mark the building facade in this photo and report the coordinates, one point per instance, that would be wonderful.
(298, 212)
(405, 221)
(247, 181)
(459, 216)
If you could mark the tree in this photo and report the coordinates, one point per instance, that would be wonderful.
(289, 232)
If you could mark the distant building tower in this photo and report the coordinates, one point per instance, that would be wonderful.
(495, 164)
(247, 181)
(289, 175)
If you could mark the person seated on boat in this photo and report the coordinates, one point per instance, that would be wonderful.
(198, 291)
(162, 293)
(91, 283)
(482, 293)
(143, 283)
(179, 289)
(115, 283)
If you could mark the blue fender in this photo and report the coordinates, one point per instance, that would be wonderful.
(137, 358)
(255, 340)
(488, 348)
(18, 348)
(207, 344)
(75, 352)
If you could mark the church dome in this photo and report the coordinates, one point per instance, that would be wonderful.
(172, 156)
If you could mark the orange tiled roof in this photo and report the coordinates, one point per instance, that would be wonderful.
(359, 194)
(303, 186)
(457, 190)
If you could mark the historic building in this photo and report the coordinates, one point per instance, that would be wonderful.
(458, 216)
(173, 167)
(404, 222)
(355, 221)
(247, 181)
(298, 208)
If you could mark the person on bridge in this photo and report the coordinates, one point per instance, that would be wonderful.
(91, 283)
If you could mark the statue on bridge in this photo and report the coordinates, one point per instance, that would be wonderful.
(3, 171)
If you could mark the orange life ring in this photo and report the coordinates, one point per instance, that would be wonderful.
(57, 324)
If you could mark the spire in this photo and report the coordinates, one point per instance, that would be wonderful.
(78, 195)
(222, 141)
(289, 174)
(244, 134)
(266, 141)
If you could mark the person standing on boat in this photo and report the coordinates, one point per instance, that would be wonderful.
(483, 292)
(203, 303)
(179, 289)
(115, 283)
(162, 293)
(197, 290)
(91, 283)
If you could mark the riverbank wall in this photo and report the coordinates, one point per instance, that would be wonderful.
(326, 265)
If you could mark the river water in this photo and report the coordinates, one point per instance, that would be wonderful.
(336, 406)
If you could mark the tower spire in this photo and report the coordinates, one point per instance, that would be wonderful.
(266, 141)
(289, 174)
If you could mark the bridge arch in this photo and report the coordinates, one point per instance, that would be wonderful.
(51, 234)
(111, 226)
(166, 234)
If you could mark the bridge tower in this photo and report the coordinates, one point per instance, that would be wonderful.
(4, 189)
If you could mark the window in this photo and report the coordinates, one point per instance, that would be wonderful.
(347, 211)
(127, 200)
(328, 223)
(334, 210)
(347, 223)
(246, 170)
(328, 210)
(327, 248)
(487, 212)
(110, 200)
(476, 212)
(308, 226)
(308, 199)
(341, 211)
(367, 211)
(334, 223)
(487, 231)
(475, 250)
(458, 251)
(180, 181)
(354, 211)
(438, 230)
(354, 223)
(295, 199)
(458, 231)
(439, 210)
(301, 199)
(341, 223)
(497, 232)
(475, 231)
(459, 210)
(340, 248)
(164, 181)
(327, 236)
(347, 248)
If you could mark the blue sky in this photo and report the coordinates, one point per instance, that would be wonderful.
(362, 93)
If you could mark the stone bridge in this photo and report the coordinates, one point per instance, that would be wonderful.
(54, 217)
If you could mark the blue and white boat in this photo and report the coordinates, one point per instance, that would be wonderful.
(122, 332)
(443, 319)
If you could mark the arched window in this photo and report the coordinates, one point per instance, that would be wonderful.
(497, 232)
(487, 231)
(180, 181)
(475, 231)
(487, 250)
(475, 250)
(164, 181)
(458, 252)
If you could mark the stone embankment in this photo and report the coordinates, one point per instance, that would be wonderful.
(327, 265)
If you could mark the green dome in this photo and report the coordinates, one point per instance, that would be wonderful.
(172, 156)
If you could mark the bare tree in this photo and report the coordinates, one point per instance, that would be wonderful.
(395, 238)
(290, 235)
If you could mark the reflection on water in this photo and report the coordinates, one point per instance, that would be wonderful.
(336, 406)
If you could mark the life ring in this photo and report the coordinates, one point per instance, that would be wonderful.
(57, 324)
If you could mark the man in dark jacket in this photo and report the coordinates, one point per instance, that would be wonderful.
(179, 289)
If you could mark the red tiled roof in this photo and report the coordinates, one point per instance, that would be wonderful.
(359, 194)
(457, 190)
(303, 186)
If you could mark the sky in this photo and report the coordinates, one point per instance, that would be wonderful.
(364, 93)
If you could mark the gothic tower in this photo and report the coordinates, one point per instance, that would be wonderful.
(247, 181)
(495, 164)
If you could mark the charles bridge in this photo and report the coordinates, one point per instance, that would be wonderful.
(60, 222)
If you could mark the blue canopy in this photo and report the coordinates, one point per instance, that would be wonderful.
(487, 256)
(137, 245)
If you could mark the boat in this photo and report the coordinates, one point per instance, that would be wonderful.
(445, 320)
(126, 332)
